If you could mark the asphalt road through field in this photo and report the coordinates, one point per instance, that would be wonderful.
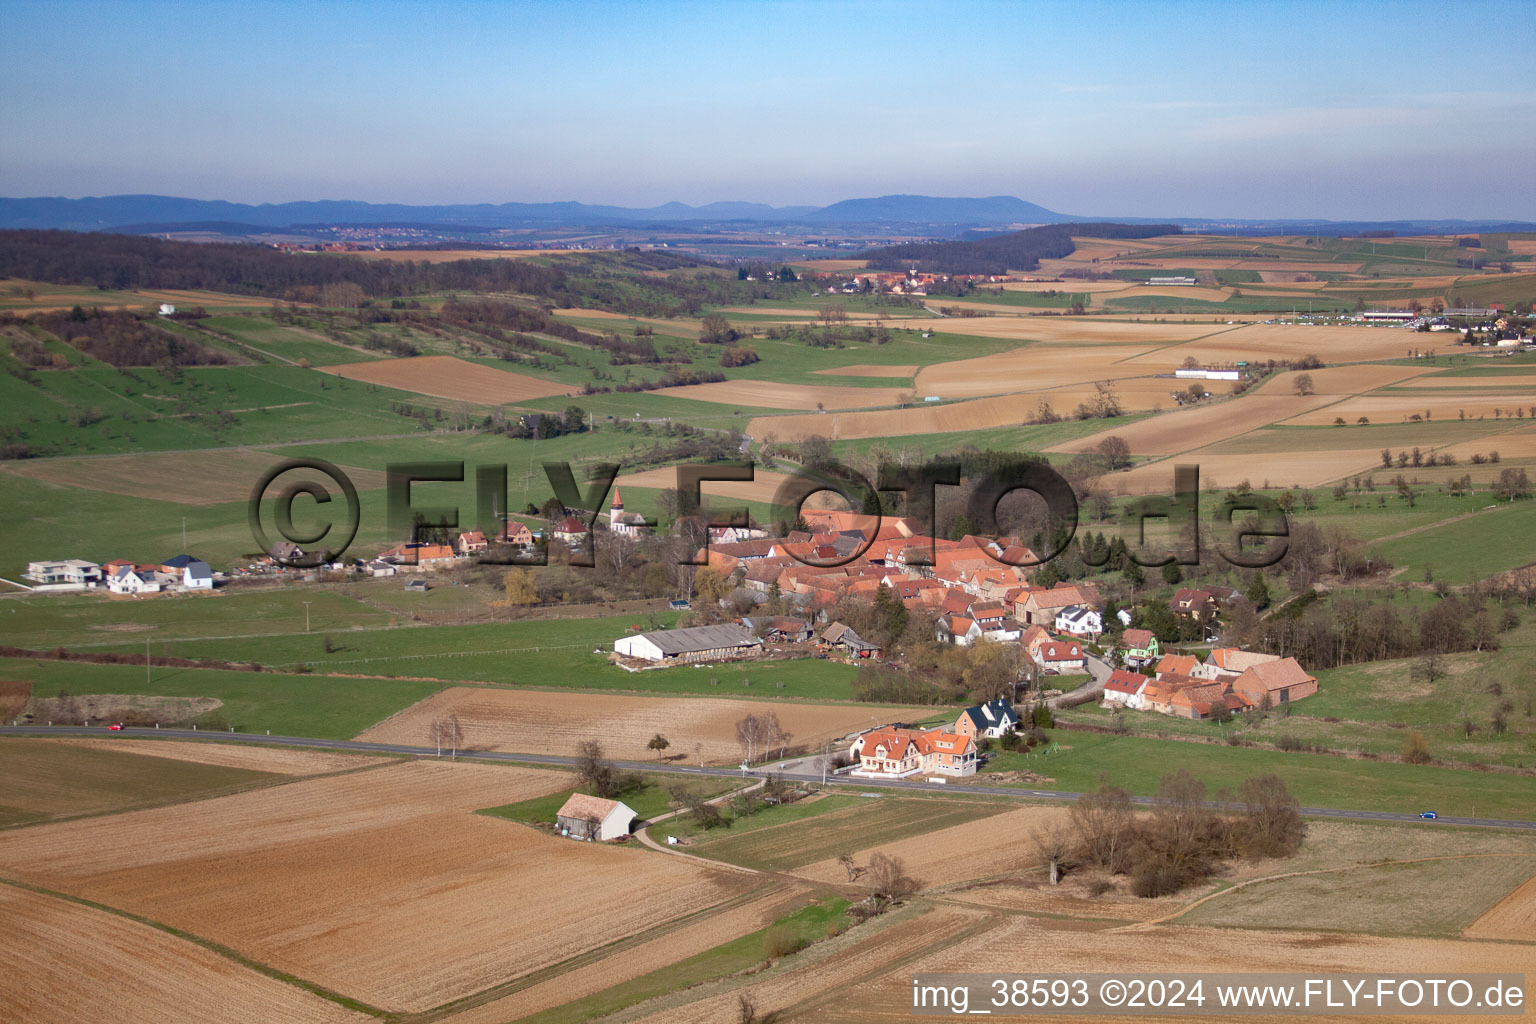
(651, 766)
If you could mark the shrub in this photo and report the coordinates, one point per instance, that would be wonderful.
(1155, 879)
(1416, 748)
(781, 940)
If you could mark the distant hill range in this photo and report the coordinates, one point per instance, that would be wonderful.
(150, 214)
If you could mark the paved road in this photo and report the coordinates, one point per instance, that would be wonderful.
(683, 769)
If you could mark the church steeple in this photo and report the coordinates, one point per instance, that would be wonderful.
(618, 502)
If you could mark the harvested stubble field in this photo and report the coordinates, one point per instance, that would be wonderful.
(451, 378)
(1513, 917)
(1290, 341)
(64, 963)
(1448, 895)
(1033, 367)
(994, 845)
(381, 885)
(1175, 292)
(1395, 407)
(867, 823)
(277, 760)
(1519, 443)
(870, 370)
(1186, 429)
(766, 394)
(634, 961)
(762, 487)
(809, 977)
(1353, 379)
(1281, 468)
(191, 478)
(1019, 943)
(14, 695)
(538, 722)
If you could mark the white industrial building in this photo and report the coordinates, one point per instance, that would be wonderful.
(697, 643)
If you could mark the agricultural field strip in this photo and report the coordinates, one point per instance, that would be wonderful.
(284, 948)
(138, 967)
(547, 760)
(1248, 882)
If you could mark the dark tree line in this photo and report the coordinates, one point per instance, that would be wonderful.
(1019, 250)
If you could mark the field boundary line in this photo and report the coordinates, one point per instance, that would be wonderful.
(1142, 925)
(227, 952)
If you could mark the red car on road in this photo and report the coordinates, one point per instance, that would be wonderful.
(115, 728)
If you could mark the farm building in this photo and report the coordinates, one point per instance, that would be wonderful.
(696, 643)
(841, 637)
(592, 818)
(1204, 374)
(1186, 281)
(1281, 681)
(417, 586)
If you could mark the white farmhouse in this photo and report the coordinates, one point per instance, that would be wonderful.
(128, 580)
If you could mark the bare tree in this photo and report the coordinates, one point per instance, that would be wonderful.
(598, 775)
(1116, 452)
(754, 732)
(1052, 845)
(846, 860)
(658, 743)
(889, 879)
(1304, 385)
(1272, 824)
(453, 735)
(1103, 821)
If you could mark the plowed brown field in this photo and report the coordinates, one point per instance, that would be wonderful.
(448, 377)
(1184, 430)
(1513, 917)
(669, 948)
(1284, 341)
(1395, 407)
(67, 963)
(536, 722)
(233, 755)
(856, 956)
(1280, 469)
(378, 884)
(762, 487)
(1021, 945)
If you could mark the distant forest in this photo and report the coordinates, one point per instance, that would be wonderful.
(604, 279)
(1020, 250)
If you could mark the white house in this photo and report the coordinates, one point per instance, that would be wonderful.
(1060, 656)
(1079, 620)
(196, 575)
(166, 309)
(1125, 688)
(128, 580)
(994, 720)
(592, 818)
(378, 568)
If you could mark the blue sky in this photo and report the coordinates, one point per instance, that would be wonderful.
(1341, 110)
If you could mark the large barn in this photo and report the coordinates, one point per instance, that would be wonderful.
(593, 818)
(696, 643)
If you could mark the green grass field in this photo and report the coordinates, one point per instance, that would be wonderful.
(861, 824)
(1317, 780)
(287, 705)
(648, 799)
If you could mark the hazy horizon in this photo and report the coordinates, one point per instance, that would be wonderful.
(1188, 110)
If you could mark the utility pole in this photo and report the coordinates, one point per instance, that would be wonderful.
(306, 616)
(183, 534)
(146, 661)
